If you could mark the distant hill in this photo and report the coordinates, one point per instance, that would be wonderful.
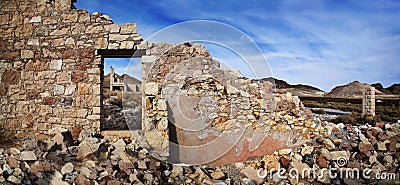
(394, 89)
(352, 89)
(297, 90)
(380, 87)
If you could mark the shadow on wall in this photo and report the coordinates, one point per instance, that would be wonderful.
(173, 138)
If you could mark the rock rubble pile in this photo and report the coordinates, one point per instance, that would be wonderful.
(78, 157)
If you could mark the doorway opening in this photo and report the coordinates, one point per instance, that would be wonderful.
(121, 92)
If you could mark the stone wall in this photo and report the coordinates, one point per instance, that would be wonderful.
(50, 68)
(192, 107)
(51, 73)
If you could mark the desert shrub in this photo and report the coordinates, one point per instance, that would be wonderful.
(356, 119)
(385, 112)
(132, 99)
(346, 119)
(318, 111)
(116, 102)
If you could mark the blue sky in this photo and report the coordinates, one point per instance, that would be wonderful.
(322, 43)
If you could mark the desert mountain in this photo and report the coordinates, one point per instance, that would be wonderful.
(354, 88)
(297, 90)
(394, 89)
(379, 87)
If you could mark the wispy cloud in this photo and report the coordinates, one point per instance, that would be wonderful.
(320, 43)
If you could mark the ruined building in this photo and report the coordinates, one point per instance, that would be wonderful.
(51, 70)
(116, 82)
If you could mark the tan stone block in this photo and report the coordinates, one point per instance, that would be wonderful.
(93, 117)
(48, 53)
(96, 110)
(136, 37)
(50, 20)
(79, 43)
(63, 77)
(81, 113)
(70, 41)
(58, 89)
(33, 42)
(93, 71)
(68, 121)
(152, 88)
(112, 28)
(17, 19)
(70, 17)
(127, 45)
(70, 89)
(25, 107)
(101, 43)
(63, 4)
(96, 89)
(94, 78)
(94, 29)
(36, 19)
(97, 60)
(41, 137)
(8, 6)
(161, 105)
(4, 19)
(78, 29)
(113, 46)
(78, 77)
(45, 75)
(128, 28)
(92, 100)
(83, 17)
(25, 54)
(7, 32)
(20, 44)
(118, 37)
(61, 31)
(24, 30)
(156, 140)
(44, 110)
(84, 88)
(58, 42)
(162, 124)
(27, 75)
(96, 125)
(56, 64)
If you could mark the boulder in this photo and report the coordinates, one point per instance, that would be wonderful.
(27, 156)
(67, 168)
(218, 174)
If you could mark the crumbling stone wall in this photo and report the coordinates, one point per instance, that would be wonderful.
(191, 102)
(50, 67)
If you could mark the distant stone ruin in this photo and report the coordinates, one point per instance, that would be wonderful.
(116, 82)
(368, 102)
